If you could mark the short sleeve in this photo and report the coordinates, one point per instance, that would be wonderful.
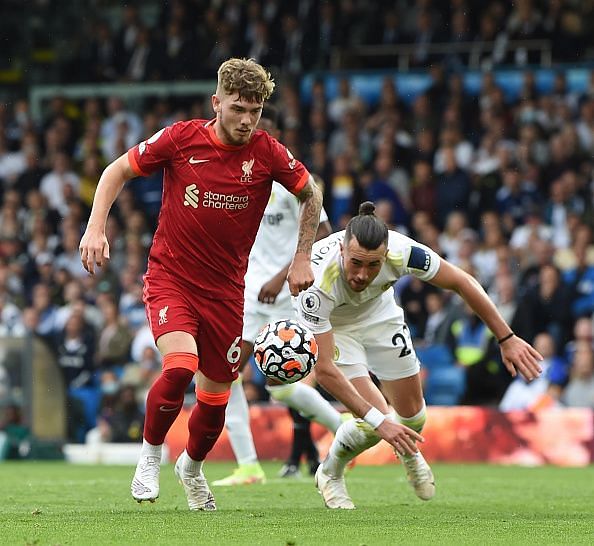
(408, 257)
(421, 261)
(154, 153)
(313, 309)
(285, 169)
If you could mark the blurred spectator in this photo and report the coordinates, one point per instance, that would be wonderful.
(515, 197)
(423, 192)
(439, 319)
(580, 389)
(14, 435)
(545, 308)
(113, 343)
(475, 349)
(142, 374)
(61, 184)
(453, 186)
(46, 310)
(76, 347)
(412, 295)
(536, 394)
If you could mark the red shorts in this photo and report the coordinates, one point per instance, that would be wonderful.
(216, 325)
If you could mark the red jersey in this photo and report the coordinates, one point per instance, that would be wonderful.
(214, 196)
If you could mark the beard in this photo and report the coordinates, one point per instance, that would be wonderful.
(231, 134)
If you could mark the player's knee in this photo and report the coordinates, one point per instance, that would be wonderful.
(280, 392)
(213, 398)
(178, 378)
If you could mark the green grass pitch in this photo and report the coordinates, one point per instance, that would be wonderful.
(56, 503)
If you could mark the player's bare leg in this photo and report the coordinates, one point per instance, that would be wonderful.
(164, 402)
(406, 396)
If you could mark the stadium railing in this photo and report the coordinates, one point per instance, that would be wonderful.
(357, 56)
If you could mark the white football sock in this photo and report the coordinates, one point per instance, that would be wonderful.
(308, 402)
(237, 421)
(189, 465)
(417, 421)
(150, 450)
(352, 438)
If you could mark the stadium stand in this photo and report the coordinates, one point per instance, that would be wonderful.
(470, 124)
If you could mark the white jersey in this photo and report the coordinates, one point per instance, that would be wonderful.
(276, 240)
(330, 302)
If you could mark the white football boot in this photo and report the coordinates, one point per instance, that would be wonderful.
(333, 490)
(196, 487)
(145, 484)
(419, 475)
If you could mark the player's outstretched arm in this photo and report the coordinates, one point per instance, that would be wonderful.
(300, 276)
(333, 380)
(93, 247)
(517, 355)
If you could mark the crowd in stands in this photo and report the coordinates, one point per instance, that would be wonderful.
(111, 41)
(502, 188)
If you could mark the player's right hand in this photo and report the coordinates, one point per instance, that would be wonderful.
(300, 276)
(94, 249)
(402, 438)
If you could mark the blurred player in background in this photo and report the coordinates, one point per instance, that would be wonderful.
(358, 325)
(267, 299)
(218, 176)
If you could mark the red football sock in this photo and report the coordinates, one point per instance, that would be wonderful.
(206, 423)
(166, 397)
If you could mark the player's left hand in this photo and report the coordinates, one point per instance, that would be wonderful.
(271, 289)
(519, 356)
(300, 276)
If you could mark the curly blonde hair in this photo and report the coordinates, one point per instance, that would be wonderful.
(247, 78)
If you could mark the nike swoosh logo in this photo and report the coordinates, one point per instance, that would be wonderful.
(165, 408)
(234, 369)
(194, 161)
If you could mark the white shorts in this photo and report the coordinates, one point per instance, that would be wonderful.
(256, 315)
(380, 344)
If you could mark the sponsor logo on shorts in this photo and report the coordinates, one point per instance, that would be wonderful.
(310, 302)
(336, 353)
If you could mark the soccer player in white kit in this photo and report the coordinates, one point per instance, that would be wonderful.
(360, 329)
(267, 299)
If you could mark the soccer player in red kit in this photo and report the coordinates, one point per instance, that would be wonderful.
(217, 180)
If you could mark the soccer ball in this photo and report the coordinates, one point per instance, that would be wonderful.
(286, 351)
